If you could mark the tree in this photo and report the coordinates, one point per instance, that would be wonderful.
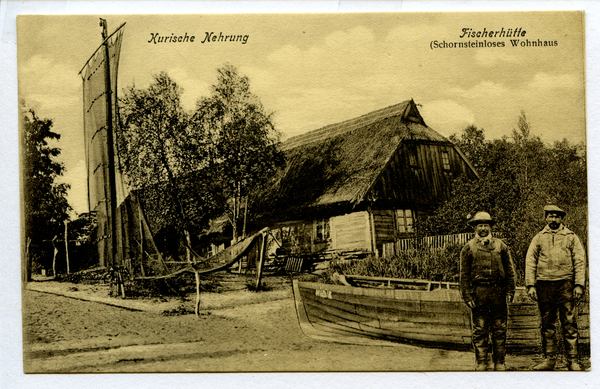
(82, 248)
(472, 142)
(242, 141)
(519, 175)
(164, 159)
(44, 200)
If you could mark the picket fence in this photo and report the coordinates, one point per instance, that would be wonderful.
(433, 242)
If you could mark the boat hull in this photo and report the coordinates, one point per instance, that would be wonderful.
(437, 318)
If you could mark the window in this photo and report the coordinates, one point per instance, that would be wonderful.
(404, 221)
(322, 231)
(445, 160)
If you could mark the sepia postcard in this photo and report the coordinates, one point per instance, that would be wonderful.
(304, 192)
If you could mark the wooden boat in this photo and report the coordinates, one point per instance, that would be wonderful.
(385, 311)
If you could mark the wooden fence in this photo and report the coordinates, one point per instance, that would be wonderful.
(437, 242)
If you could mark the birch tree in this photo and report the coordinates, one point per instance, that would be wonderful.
(242, 140)
(164, 158)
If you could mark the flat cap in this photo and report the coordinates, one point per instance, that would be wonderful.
(553, 209)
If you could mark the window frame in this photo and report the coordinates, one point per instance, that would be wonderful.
(402, 218)
(446, 160)
(325, 227)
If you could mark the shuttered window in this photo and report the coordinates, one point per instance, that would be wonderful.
(404, 221)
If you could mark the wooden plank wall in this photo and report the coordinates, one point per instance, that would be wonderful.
(424, 183)
(351, 232)
(383, 221)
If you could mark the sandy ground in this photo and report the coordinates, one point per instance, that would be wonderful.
(77, 328)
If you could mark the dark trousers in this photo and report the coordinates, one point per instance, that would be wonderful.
(556, 297)
(489, 321)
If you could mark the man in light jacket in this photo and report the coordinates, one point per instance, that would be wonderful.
(555, 278)
(487, 284)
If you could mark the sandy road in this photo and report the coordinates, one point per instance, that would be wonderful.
(237, 331)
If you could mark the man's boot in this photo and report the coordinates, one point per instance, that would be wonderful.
(547, 364)
(549, 348)
(499, 342)
(481, 354)
(573, 364)
(571, 337)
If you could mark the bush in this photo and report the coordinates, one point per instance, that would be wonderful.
(424, 264)
(179, 286)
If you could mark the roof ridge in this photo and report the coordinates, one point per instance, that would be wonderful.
(332, 130)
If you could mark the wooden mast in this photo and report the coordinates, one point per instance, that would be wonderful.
(112, 200)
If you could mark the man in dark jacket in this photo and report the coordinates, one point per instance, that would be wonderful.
(487, 284)
(555, 278)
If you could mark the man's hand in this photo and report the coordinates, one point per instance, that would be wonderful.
(577, 293)
(471, 304)
(510, 298)
(532, 292)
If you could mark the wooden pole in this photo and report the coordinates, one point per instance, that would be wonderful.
(372, 235)
(112, 200)
(261, 257)
(28, 261)
(245, 216)
(196, 274)
(142, 248)
(67, 247)
(197, 307)
(188, 239)
(121, 283)
(54, 256)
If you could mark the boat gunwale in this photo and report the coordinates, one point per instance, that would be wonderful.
(444, 295)
(524, 338)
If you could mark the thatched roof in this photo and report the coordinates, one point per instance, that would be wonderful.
(406, 110)
(340, 163)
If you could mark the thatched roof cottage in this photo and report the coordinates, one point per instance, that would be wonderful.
(363, 182)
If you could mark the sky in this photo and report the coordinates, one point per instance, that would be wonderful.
(312, 70)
